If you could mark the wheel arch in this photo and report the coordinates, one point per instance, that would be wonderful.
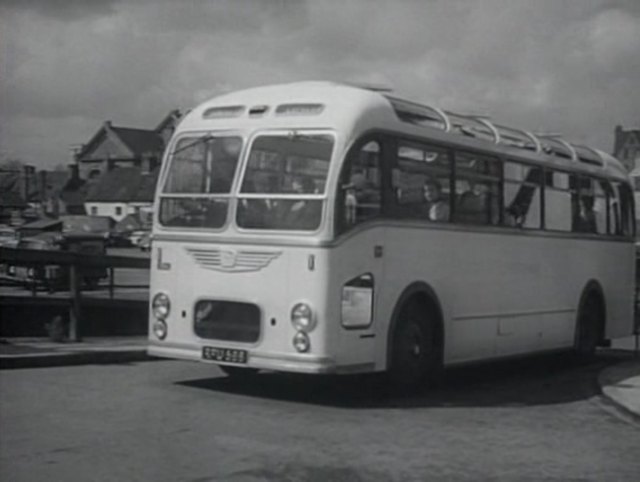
(425, 293)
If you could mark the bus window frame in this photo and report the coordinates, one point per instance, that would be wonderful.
(497, 178)
(324, 198)
(389, 138)
(229, 196)
(383, 139)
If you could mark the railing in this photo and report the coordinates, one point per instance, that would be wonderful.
(78, 266)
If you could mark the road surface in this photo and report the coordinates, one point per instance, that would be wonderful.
(541, 419)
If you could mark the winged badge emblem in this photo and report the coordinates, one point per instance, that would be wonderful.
(231, 260)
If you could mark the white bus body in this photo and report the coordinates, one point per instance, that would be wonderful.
(488, 290)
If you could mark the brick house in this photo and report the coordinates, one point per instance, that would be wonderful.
(121, 192)
(113, 147)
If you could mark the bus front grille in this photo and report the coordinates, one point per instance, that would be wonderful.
(227, 320)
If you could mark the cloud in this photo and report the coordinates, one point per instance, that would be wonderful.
(568, 66)
(63, 9)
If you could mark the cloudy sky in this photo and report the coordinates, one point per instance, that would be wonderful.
(66, 66)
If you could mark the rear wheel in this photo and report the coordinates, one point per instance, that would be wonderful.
(415, 359)
(589, 327)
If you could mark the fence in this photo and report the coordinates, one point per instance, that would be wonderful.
(74, 267)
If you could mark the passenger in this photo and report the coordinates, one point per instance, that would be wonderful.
(474, 207)
(303, 213)
(436, 208)
(586, 219)
(224, 165)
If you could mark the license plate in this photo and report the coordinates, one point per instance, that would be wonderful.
(224, 354)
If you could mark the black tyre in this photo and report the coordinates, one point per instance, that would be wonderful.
(589, 327)
(415, 359)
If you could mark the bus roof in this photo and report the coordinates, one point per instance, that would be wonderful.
(323, 104)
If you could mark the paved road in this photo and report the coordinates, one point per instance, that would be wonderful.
(542, 419)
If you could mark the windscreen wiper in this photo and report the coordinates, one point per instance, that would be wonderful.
(203, 139)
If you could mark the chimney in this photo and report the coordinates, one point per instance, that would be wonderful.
(29, 173)
(617, 140)
(146, 163)
(42, 185)
(73, 170)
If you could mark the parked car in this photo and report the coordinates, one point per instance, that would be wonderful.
(145, 242)
(8, 236)
(137, 235)
(53, 276)
(119, 239)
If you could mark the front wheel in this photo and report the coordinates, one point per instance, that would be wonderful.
(415, 359)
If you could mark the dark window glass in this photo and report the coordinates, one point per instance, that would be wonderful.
(282, 166)
(276, 162)
(359, 192)
(625, 197)
(421, 177)
(204, 165)
(522, 195)
(477, 196)
(582, 204)
(197, 212)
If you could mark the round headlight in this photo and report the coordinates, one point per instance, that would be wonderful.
(302, 317)
(301, 342)
(161, 306)
(160, 329)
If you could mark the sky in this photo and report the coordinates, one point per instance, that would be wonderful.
(66, 66)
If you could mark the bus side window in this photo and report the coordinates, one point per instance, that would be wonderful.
(359, 197)
(421, 181)
(558, 208)
(625, 195)
(615, 224)
(522, 195)
(477, 196)
(583, 205)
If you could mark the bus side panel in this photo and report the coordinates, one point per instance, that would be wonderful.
(506, 294)
(357, 349)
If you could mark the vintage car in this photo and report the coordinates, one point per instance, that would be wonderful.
(53, 276)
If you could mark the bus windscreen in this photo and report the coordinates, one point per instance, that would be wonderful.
(203, 167)
(293, 166)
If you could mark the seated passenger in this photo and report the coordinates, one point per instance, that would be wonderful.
(303, 213)
(472, 205)
(585, 221)
(436, 208)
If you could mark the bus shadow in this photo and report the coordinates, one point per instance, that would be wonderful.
(539, 380)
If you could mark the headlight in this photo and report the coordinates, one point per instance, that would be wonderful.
(302, 317)
(161, 306)
(301, 342)
(160, 329)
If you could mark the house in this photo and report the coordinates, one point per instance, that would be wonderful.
(123, 191)
(114, 146)
(44, 225)
(71, 197)
(626, 147)
(46, 197)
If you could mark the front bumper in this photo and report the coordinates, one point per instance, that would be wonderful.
(285, 362)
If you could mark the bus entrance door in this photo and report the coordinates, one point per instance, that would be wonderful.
(361, 269)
